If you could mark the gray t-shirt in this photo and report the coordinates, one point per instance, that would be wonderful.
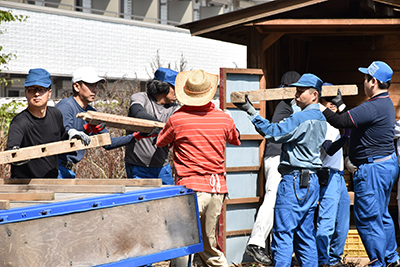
(143, 152)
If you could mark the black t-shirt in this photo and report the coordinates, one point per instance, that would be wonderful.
(27, 130)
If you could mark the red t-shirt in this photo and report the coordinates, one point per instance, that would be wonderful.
(198, 136)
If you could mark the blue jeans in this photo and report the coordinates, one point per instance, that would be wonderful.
(333, 219)
(64, 172)
(140, 172)
(294, 222)
(373, 184)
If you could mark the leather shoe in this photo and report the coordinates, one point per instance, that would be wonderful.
(258, 254)
(394, 264)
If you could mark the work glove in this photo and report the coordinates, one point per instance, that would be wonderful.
(72, 133)
(347, 132)
(247, 106)
(338, 101)
(90, 128)
(19, 163)
(138, 135)
(349, 166)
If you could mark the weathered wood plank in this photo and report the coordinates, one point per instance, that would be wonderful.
(126, 182)
(288, 93)
(65, 188)
(101, 236)
(4, 204)
(54, 148)
(27, 196)
(122, 122)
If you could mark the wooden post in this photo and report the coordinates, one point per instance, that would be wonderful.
(122, 122)
(288, 93)
(55, 148)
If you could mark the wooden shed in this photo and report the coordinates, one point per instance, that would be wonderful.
(329, 38)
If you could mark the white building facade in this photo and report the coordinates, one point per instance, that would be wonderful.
(60, 41)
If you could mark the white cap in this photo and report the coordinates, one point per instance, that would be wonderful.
(86, 74)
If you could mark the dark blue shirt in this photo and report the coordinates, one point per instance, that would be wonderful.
(373, 134)
(69, 108)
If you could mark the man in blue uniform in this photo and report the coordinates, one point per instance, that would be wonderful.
(301, 135)
(371, 150)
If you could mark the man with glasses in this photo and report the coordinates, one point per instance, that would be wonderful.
(84, 86)
(37, 124)
(371, 150)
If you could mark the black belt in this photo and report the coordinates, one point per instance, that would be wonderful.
(370, 160)
(67, 164)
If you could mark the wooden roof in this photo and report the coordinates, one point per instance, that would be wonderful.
(330, 17)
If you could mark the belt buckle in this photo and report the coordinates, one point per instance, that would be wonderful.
(69, 165)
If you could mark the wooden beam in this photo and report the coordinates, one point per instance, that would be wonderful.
(126, 182)
(288, 93)
(27, 196)
(271, 39)
(55, 148)
(65, 188)
(122, 122)
(246, 15)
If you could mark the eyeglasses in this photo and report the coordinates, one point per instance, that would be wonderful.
(34, 90)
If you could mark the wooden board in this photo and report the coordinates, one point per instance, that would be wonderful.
(122, 122)
(54, 148)
(102, 236)
(288, 93)
(127, 182)
(27, 196)
(64, 188)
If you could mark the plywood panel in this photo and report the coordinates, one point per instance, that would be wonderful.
(104, 235)
(235, 251)
(244, 155)
(241, 82)
(243, 124)
(242, 184)
(240, 216)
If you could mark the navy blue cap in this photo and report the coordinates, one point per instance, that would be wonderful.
(379, 70)
(309, 80)
(166, 75)
(38, 77)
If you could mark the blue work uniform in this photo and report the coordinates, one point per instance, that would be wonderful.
(371, 149)
(69, 109)
(334, 202)
(301, 135)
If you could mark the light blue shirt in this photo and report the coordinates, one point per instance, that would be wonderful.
(301, 135)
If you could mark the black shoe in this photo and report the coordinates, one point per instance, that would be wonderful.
(258, 254)
(394, 264)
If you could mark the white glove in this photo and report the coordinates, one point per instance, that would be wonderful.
(349, 166)
(72, 133)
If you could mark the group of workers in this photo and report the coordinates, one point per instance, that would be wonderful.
(306, 169)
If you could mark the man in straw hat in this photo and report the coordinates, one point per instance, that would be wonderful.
(301, 135)
(198, 132)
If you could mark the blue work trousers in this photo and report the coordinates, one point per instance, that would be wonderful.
(333, 219)
(294, 222)
(141, 172)
(373, 184)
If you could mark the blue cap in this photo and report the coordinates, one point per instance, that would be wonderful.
(379, 70)
(166, 75)
(38, 77)
(309, 80)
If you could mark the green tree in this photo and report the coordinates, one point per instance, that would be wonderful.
(7, 16)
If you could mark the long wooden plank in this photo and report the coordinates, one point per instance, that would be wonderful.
(54, 148)
(65, 188)
(125, 182)
(27, 196)
(288, 93)
(122, 122)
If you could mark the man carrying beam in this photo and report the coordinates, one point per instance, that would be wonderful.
(85, 81)
(371, 150)
(38, 124)
(301, 135)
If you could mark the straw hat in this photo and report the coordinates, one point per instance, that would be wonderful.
(195, 88)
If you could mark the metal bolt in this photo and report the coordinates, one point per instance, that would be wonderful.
(65, 224)
(102, 217)
(108, 255)
(9, 232)
(70, 263)
(152, 245)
